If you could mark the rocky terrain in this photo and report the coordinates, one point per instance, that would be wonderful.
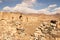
(18, 26)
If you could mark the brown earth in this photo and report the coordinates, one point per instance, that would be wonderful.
(12, 23)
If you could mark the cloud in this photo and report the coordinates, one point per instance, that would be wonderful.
(57, 10)
(51, 9)
(26, 7)
(20, 9)
(52, 6)
(6, 8)
(0, 1)
(30, 1)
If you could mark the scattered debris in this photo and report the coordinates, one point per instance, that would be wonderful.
(42, 31)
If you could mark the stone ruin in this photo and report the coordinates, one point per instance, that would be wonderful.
(16, 26)
(46, 31)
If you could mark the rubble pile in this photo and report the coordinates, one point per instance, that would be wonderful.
(17, 26)
(46, 31)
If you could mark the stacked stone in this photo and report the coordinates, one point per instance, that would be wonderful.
(46, 30)
(39, 35)
(55, 31)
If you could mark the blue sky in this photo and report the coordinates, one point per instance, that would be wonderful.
(37, 4)
(14, 2)
(9, 3)
(49, 2)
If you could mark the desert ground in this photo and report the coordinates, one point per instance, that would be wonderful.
(19, 26)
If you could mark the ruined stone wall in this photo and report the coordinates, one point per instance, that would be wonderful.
(18, 26)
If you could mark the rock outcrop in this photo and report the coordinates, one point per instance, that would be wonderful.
(18, 26)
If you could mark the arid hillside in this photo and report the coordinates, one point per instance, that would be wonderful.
(19, 26)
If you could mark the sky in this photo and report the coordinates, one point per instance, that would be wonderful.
(31, 6)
